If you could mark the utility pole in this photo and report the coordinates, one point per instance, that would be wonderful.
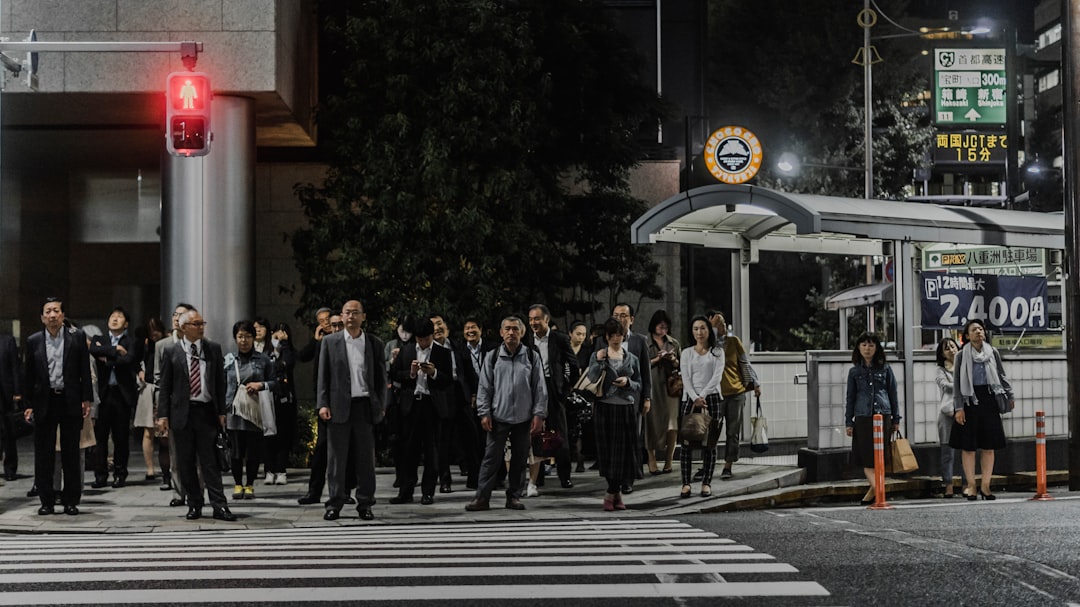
(1070, 61)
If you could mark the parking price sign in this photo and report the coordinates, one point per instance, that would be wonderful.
(969, 86)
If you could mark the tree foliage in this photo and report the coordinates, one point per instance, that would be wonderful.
(789, 74)
(478, 151)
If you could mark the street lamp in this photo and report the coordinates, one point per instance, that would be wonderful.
(791, 165)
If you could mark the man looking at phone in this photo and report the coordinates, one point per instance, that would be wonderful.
(424, 373)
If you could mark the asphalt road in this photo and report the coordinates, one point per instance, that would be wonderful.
(942, 552)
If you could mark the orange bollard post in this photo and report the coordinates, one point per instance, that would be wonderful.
(1040, 458)
(879, 465)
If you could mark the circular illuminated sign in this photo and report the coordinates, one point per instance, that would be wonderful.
(733, 154)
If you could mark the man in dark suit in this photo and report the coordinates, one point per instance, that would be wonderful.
(475, 348)
(117, 358)
(351, 398)
(423, 370)
(560, 364)
(191, 406)
(60, 390)
(10, 399)
(457, 428)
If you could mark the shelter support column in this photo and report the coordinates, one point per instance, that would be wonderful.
(740, 290)
(904, 297)
(208, 222)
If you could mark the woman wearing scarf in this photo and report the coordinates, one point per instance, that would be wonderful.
(978, 383)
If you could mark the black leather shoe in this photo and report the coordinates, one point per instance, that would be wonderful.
(309, 498)
(401, 499)
(365, 513)
(120, 482)
(566, 483)
(99, 483)
(513, 503)
(33, 492)
(174, 502)
(445, 488)
(427, 500)
(350, 500)
(627, 488)
(224, 514)
(166, 483)
(331, 514)
(71, 510)
(194, 513)
(11, 476)
(46, 510)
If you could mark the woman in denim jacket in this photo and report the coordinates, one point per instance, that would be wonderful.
(615, 413)
(871, 389)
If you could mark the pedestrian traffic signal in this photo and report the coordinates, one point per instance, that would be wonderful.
(187, 114)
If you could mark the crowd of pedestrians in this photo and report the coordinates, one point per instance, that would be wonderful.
(498, 410)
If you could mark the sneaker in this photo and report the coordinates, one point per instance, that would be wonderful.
(281, 479)
(269, 478)
(725, 473)
(238, 492)
(532, 491)
(249, 492)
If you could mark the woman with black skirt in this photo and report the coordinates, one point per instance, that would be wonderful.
(979, 384)
(871, 389)
(615, 413)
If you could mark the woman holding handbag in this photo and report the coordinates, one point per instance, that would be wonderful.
(702, 367)
(871, 389)
(615, 413)
(662, 422)
(981, 394)
(252, 372)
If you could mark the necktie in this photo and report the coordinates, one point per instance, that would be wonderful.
(196, 379)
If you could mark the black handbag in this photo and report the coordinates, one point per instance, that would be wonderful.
(223, 450)
(20, 428)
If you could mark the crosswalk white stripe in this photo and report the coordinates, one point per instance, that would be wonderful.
(591, 558)
(620, 525)
(393, 549)
(446, 538)
(569, 550)
(396, 593)
(448, 535)
(673, 554)
(340, 573)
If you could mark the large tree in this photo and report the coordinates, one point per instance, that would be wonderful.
(469, 141)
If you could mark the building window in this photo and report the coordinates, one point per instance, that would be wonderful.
(1049, 37)
(1048, 81)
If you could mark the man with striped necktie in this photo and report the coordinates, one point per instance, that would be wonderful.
(192, 406)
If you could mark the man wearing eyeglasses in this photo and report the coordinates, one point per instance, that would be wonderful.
(192, 408)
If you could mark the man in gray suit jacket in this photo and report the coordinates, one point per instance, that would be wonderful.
(191, 406)
(60, 390)
(351, 399)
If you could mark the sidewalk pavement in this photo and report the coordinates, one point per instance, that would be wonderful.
(141, 507)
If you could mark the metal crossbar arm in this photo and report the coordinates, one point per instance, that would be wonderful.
(98, 47)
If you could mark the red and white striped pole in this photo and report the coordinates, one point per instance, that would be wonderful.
(879, 465)
(1040, 458)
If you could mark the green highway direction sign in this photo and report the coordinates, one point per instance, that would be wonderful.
(969, 86)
